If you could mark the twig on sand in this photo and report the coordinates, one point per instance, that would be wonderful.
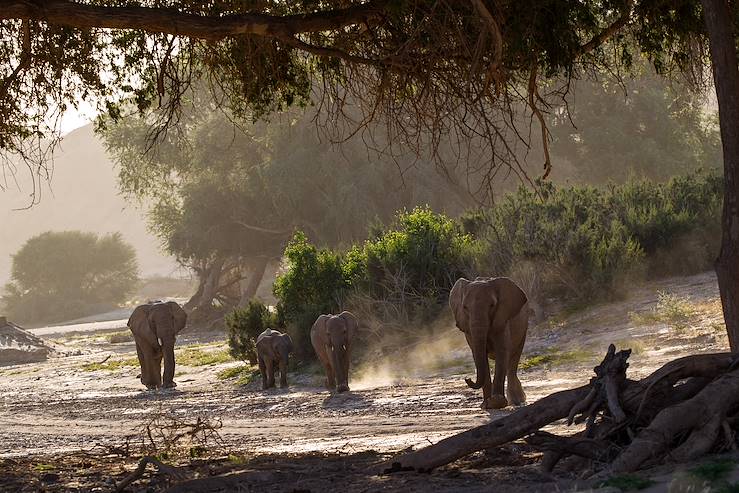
(171, 471)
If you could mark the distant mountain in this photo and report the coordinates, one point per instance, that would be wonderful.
(82, 195)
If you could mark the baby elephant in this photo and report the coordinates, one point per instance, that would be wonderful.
(331, 336)
(273, 348)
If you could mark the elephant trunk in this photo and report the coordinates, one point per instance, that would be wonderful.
(480, 355)
(169, 363)
(341, 369)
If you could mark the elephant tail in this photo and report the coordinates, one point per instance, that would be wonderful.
(473, 385)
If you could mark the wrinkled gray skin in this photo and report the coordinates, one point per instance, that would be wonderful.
(331, 336)
(493, 315)
(273, 348)
(155, 327)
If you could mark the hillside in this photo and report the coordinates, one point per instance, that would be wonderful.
(82, 195)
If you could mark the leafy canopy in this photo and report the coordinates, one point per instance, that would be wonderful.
(430, 70)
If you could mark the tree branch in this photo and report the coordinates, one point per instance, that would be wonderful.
(612, 29)
(169, 21)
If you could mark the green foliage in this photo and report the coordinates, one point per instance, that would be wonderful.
(628, 482)
(644, 126)
(69, 274)
(244, 326)
(412, 264)
(315, 282)
(587, 240)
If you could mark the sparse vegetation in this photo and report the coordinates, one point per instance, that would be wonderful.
(243, 374)
(671, 309)
(120, 337)
(714, 471)
(111, 365)
(201, 356)
(555, 357)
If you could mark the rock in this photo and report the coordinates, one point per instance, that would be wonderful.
(20, 346)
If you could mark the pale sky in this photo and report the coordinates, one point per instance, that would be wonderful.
(76, 118)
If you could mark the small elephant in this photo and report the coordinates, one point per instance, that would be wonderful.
(331, 336)
(492, 314)
(155, 327)
(273, 348)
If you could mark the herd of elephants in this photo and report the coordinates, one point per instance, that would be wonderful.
(491, 312)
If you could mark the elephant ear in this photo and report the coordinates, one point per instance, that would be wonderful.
(511, 299)
(138, 322)
(455, 302)
(351, 323)
(289, 341)
(179, 315)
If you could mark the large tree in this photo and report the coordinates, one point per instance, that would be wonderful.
(224, 200)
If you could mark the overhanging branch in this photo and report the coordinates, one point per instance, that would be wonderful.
(169, 21)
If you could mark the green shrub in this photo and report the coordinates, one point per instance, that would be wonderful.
(587, 240)
(314, 283)
(244, 326)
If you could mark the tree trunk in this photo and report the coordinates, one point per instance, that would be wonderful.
(255, 273)
(718, 20)
(210, 287)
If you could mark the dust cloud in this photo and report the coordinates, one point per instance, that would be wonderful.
(443, 351)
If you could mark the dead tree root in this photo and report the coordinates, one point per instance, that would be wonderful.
(683, 410)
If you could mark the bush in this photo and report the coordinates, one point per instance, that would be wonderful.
(244, 326)
(414, 263)
(410, 265)
(314, 283)
(588, 241)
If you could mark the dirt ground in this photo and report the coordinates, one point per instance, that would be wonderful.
(62, 425)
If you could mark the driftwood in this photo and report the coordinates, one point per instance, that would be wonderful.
(171, 471)
(682, 410)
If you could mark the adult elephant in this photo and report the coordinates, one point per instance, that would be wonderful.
(331, 336)
(492, 314)
(273, 348)
(155, 327)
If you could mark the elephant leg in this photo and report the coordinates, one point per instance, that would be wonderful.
(283, 373)
(514, 390)
(167, 353)
(497, 400)
(143, 364)
(263, 371)
(269, 368)
(150, 368)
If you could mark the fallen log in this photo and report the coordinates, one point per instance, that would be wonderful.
(518, 424)
(622, 402)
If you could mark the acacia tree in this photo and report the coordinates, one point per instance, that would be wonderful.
(226, 199)
(66, 274)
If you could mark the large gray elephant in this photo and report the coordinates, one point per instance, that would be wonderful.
(492, 314)
(155, 327)
(273, 349)
(331, 336)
